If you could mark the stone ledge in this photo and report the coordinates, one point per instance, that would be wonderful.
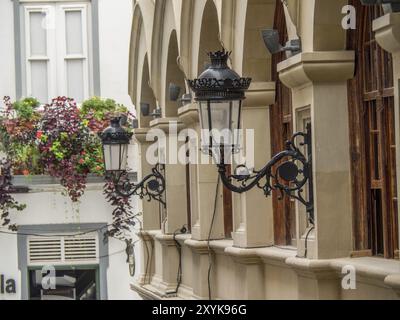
(317, 67)
(163, 124)
(189, 114)
(387, 32)
(260, 94)
(243, 256)
(145, 235)
(200, 247)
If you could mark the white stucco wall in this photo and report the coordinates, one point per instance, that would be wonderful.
(7, 62)
(50, 207)
(115, 31)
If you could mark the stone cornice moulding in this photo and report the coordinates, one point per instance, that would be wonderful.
(165, 239)
(220, 246)
(317, 67)
(244, 256)
(312, 269)
(164, 124)
(189, 114)
(199, 247)
(276, 256)
(387, 32)
(393, 281)
(144, 235)
(140, 135)
(260, 94)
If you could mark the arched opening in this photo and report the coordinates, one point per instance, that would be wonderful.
(209, 35)
(174, 75)
(372, 140)
(209, 41)
(146, 94)
(256, 59)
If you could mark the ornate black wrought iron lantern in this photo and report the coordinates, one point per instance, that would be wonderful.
(115, 140)
(220, 92)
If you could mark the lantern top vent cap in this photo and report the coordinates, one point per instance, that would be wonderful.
(115, 133)
(218, 81)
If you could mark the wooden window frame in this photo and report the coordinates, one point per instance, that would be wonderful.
(372, 149)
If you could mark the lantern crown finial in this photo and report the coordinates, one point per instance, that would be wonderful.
(219, 59)
(219, 81)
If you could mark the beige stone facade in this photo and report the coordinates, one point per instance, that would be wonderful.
(168, 45)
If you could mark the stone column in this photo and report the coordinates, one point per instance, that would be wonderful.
(175, 174)
(146, 263)
(248, 272)
(151, 210)
(319, 89)
(387, 34)
(203, 182)
(200, 256)
(253, 212)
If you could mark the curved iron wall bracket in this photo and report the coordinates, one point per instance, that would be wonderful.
(289, 172)
(152, 187)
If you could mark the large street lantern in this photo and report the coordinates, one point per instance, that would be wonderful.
(115, 147)
(116, 140)
(220, 92)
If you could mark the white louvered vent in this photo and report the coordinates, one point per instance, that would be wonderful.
(44, 249)
(80, 249)
(63, 250)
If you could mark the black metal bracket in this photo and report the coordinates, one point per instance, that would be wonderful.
(288, 172)
(152, 187)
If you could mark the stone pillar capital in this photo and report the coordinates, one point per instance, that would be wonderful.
(164, 124)
(140, 135)
(314, 67)
(387, 32)
(260, 94)
(189, 114)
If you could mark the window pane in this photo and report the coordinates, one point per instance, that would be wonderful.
(39, 81)
(37, 34)
(75, 80)
(73, 32)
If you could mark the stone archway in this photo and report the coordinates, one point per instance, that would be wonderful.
(146, 94)
(173, 75)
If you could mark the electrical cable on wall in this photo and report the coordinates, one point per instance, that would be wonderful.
(306, 243)
(67, 235)
(209, 238)
(182, 230)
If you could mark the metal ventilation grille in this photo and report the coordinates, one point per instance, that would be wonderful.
(45, 250)
(63, 250)
(80, 249)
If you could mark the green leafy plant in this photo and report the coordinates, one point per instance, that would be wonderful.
(26, 108)
(7, 202)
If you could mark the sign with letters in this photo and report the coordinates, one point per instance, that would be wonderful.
(7, 286)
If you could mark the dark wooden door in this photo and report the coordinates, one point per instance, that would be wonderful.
(281, 131)
(372, 128)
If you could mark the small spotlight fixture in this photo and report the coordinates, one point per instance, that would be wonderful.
(271, 41)
(174, 91)
(145, 110)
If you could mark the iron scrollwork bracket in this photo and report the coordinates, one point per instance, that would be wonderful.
(289, 173)
(152, 187)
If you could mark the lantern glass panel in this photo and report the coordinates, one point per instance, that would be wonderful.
(115, 157)
(225, 123)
